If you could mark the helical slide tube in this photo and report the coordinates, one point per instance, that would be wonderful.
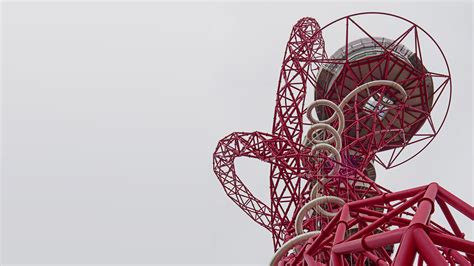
(315, 194)
(336, 137)
(366, 86)
(316, 203)
(333, 106)
(289, 245)
(369, 84)
(317, 145)
(335, 155)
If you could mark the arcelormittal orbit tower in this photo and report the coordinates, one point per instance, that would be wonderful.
(375, 100)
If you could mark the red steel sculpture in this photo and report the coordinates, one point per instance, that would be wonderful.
(373, 104)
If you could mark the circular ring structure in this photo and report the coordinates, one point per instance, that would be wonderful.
(333, 106)
(289, 245)
(398, 48)
(333, 151)
(336, 137)
(314, 191)
(314, 194)
(370, 84)
(313, 204)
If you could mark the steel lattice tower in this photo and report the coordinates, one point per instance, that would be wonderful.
(373, 101)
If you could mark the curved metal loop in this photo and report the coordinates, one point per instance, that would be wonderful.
(290, 244)
(336, 156)
(234, 146)
(370, 84)
(360, 88)
(336, 137)
(313, 204)
(314, 191)
(333, 106)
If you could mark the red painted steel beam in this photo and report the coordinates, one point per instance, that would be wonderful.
(400, 195)
(449, 217)
(425, 205)
(370, 242)
(458, 258)
(457, 203)
(427, 248)
(453, 242)
(387, 217)
(406, 252)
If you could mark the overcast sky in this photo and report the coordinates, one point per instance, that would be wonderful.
(111, 113)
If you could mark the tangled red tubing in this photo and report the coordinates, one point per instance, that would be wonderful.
(373, 104)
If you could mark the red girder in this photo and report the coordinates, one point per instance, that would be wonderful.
(262, 146)
(416, 233)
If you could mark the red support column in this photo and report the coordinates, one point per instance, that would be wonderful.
(427, 248)
(339, 235)
(406, 252)
(425, 205)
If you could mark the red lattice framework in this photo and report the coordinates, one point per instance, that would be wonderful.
(281, 149)
(377, 103)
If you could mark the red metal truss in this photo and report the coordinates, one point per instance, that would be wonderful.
(262, 146)
(405, 220)
(305, 47)
(406, 125)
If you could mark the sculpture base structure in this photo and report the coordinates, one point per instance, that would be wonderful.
(405, 220)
